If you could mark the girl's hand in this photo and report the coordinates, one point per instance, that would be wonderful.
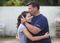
(17, 37)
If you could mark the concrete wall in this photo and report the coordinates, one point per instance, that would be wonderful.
(8, 16)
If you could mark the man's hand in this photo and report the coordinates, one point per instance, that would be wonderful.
(46, 35)
(23, 20)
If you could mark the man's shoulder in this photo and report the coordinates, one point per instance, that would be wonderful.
(43, 17)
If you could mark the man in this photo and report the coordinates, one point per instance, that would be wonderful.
(39, 23)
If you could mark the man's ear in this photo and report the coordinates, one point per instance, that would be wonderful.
(35, 8)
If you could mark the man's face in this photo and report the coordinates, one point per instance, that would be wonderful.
(32, 9)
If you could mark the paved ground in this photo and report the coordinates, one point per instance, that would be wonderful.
(8, 40)
(56, 40)
(13, 40)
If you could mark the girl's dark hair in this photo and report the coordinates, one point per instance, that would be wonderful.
(20, 16)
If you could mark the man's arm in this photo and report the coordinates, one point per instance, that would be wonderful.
(32, 29)
(34, 38)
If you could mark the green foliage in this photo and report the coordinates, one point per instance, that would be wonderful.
(1, 2)
(14, 3)
(24, 2)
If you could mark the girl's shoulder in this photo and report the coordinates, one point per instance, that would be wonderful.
(21, 26)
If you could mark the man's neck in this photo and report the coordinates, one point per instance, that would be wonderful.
(37, 13)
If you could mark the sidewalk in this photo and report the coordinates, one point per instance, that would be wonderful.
(13, 40)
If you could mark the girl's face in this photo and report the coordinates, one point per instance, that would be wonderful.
(28, 17)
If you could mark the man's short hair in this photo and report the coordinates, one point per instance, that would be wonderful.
(34, 4)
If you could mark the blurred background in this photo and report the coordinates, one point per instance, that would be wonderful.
(11, 9)
(23, 2)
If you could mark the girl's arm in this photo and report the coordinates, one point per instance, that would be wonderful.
(34, 38)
